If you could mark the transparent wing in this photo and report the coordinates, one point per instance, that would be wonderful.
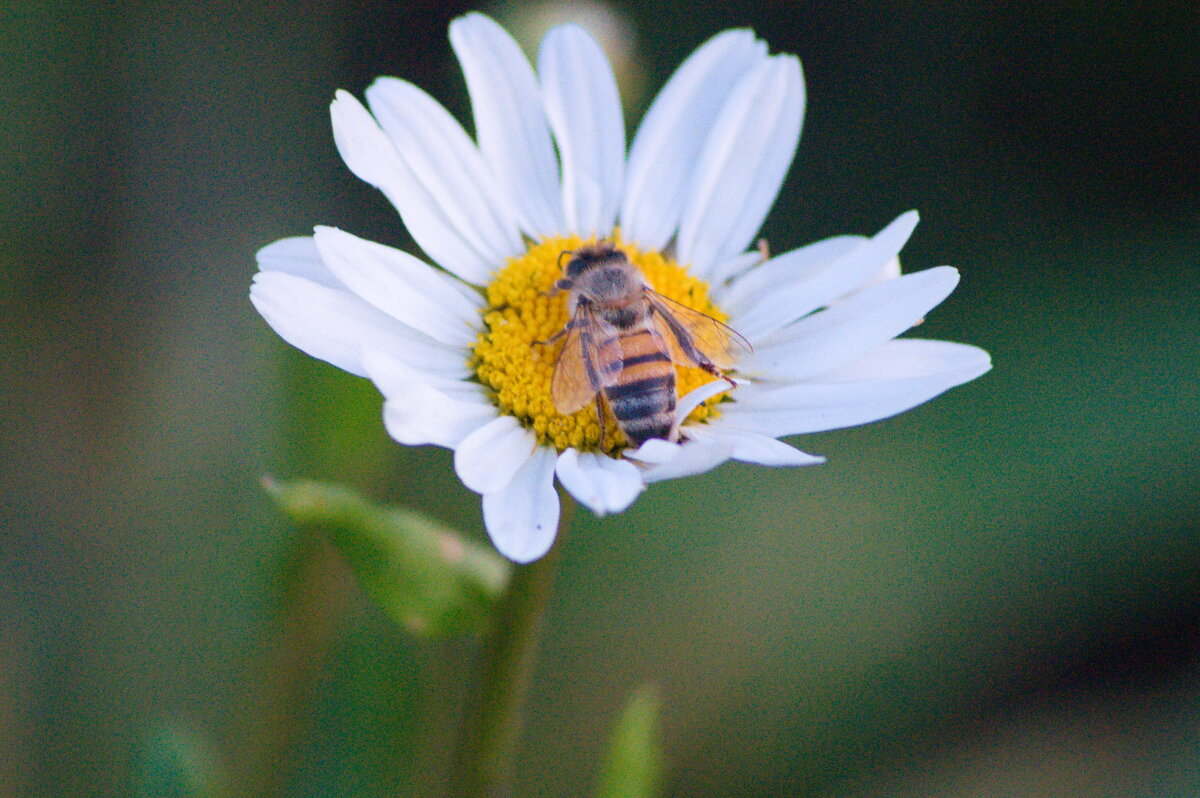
(576, 374)
(697, 337)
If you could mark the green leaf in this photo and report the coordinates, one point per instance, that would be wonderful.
(177, 763)
(633, 767)
(425, 576)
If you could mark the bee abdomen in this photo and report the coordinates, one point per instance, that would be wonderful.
(638, 431)
(653, 356)
(644, 408)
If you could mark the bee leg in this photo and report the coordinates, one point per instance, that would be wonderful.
(553, 338)
(764, 250)
(601, 420)
(566, 329)
(716, 372)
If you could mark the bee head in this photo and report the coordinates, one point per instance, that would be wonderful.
(588, 256)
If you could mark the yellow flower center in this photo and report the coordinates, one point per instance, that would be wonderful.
(511, 360)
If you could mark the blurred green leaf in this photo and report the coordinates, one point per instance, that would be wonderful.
(633, 767)
(178, 763)
(425, 576)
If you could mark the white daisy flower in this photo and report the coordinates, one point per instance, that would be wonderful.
(456, 343)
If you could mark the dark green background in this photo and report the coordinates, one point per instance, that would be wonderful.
(996, 594)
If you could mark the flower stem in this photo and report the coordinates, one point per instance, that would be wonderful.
(483, 766)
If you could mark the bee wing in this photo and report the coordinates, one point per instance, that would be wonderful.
(576, 374)
(699, 338)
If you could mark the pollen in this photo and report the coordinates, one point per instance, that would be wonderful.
(514, 357)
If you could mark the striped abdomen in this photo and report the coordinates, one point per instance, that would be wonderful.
(642, 393)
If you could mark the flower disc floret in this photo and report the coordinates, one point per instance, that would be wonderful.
(512, 358)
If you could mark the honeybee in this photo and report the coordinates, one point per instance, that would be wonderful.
(623, 342)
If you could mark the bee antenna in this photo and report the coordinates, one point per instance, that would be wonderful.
(560, 257)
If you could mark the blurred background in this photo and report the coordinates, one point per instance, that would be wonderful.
(996, 594)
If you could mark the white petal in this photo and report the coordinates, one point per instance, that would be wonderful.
(488, 458)
(402, 286)
(423, 415)
(788, 267)
(750, 447)
(370, 154)
(522, 518)
(584, 109)
(297, 256)
(784, 303)
(393, 376)
(334, 325)
(890, 271)
(510, 124)
(850, 328)
(909, 357)
(697, 395)
(690, 457)
(601, 483)
(654, 451)
(895, 377)
(732, 267)
(420, 410)
(743, 164)
(663, 156)
(444, 159)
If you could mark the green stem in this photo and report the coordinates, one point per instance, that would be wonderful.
(483, 767)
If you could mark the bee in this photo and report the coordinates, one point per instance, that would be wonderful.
(623, 341)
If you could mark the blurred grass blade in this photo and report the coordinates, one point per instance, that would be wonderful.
(424, 575)
(633, 767)
(178, 763)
